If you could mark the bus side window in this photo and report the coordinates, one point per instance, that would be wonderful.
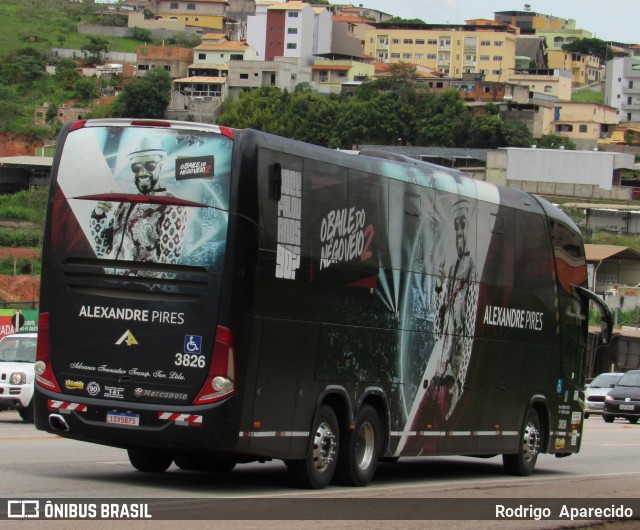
(534, 264)
(496, 231)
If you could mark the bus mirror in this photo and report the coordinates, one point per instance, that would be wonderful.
(275, 182)
(606, 319)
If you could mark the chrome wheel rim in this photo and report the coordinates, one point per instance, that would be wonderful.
(530, 442)
(365, 444)
(324, 447)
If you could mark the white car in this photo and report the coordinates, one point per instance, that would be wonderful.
(17, 357)
(596, 391)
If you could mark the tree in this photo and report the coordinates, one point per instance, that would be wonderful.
(95, 47)
(400, 76)
(516, 134)
(66, 73)
(552, 141)
(141, 34)
(144, 97)
(485, 131)
(442, 120)
(596, 47)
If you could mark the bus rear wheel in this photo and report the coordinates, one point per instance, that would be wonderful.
(524, 461)
(150, 460)
(316, 471)
(359, 449)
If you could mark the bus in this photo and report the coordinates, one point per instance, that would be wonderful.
(213, 296)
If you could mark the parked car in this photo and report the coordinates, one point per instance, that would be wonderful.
(623, 400)
(597, 390)
(17, 357)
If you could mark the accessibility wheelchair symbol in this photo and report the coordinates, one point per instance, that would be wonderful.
(192, 344)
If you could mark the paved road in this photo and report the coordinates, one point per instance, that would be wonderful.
(37, 465)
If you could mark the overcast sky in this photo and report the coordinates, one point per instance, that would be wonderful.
(611, 20)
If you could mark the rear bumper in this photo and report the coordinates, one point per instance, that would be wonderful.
(206, 428)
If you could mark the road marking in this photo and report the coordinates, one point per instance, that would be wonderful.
(21, 438)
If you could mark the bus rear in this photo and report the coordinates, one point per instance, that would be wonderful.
(132, 349)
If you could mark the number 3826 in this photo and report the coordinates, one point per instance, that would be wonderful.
(189, 360)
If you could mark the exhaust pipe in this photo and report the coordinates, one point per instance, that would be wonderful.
(58, 423)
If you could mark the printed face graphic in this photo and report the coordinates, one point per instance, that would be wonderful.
(146, 170)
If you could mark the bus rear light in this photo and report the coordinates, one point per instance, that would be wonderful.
(150, 123)
(220, 381)
(227, 131)
(77, 125)
(42, 367)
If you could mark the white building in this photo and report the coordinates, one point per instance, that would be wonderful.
(289, 29)
(622, 87)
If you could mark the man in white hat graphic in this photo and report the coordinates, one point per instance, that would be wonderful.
(141, 231)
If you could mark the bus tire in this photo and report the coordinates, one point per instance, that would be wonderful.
(608, 418)
(523, 462)
(27, 414)
(150, 460)
(359, 449)
(316, 471)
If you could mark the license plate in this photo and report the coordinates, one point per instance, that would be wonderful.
(626, 407)
(123, 418)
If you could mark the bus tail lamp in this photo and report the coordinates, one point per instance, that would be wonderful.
(42, 367)
(220, 381)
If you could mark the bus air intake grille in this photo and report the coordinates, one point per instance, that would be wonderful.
(139, 281)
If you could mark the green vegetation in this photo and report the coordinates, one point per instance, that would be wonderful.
(394, 110)
(594, 47)
(588, 96)
(46, 24)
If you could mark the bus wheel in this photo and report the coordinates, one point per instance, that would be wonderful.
(608, 418)
(359, 449)
(633, 420)
(523, 462)
(149, 460)
(27, 413)
(317, 469)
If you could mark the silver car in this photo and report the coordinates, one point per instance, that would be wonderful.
(597, 390)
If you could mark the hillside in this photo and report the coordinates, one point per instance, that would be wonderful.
(21, 287)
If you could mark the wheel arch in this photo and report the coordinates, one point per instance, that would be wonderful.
(539, 403)
(376, 397)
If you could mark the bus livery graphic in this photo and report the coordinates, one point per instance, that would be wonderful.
(237, 296)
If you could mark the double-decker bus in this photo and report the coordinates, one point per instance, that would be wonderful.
(214, 296)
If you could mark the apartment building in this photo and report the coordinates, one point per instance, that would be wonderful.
(530, 22)
(584, 123)
(453, 49)
(204, 13)
(172, 59)
(553, 83)
(622, 87)
(585, 69)
(289, 29)
(207, 76)
(330, 74)
(283, 73)
(348, 34)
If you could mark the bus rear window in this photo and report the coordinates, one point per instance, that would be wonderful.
(148, 194)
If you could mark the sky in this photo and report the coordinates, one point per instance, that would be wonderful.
(609, 20)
